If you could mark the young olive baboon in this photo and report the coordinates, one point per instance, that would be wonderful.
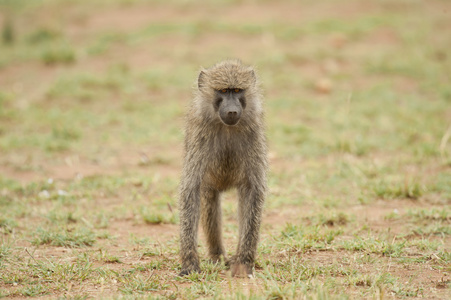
(225, 147)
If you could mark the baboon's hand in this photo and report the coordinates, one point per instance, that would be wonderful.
(218, 259)
(241, 270)
(190, 269)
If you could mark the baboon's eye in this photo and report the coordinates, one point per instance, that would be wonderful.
(223, 91)
(237, 90)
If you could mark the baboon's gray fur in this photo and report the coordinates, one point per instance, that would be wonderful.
(218, 157)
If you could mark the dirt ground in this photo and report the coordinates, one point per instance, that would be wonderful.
(82, 24)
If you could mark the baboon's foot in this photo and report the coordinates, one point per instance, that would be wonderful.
(240, 269)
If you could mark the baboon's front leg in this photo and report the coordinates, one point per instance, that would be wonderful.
(211, 223)
(251, 199)
(189, 223)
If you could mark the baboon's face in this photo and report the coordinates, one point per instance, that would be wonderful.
(229, 103)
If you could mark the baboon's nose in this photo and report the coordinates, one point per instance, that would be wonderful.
(231, 116)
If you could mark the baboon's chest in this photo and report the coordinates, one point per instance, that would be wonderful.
(225, 169)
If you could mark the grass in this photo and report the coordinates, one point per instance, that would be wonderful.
(91, 118)
(66, 238)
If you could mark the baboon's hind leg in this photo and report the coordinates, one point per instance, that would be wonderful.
(250, 212)
(211, 223)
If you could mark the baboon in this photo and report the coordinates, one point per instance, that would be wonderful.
(225, 147)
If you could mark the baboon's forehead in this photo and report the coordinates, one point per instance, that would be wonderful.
(231, 76)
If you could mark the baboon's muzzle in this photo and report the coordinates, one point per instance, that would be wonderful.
(230, 111)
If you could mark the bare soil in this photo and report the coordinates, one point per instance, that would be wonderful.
(83, 25)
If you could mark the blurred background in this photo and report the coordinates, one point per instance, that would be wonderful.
(107, 82)
(92, 96)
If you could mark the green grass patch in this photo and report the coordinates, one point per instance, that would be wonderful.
(64, 237)
(91, 140)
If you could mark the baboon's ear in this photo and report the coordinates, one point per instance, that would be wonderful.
(252, 76)
(200, 79)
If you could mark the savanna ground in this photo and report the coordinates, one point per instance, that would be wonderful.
(358, 109)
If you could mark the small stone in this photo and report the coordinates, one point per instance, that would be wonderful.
(62, 193)
(323, 85)
(44, 194)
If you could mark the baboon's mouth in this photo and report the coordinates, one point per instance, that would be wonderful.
(230, 121)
